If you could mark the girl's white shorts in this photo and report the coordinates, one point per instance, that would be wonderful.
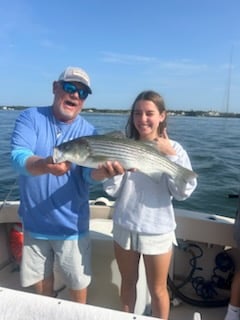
(144, 243)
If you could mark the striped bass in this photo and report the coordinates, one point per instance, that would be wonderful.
(91, 151)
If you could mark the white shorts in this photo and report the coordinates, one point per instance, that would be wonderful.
(144, 243)
(72, 259)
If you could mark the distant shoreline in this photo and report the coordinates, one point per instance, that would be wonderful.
(191, 113)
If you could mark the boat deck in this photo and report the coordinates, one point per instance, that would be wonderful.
(212, 233)
(9, 278)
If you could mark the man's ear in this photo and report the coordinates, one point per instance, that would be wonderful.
(54, 87)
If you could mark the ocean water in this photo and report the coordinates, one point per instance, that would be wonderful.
(213, 146)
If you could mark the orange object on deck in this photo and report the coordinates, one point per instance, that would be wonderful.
(16, 241)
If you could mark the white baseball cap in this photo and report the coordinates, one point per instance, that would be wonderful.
(76, 74)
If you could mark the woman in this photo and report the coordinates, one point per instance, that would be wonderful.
(144, 221)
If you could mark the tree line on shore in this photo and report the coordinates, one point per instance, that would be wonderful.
(190, 113)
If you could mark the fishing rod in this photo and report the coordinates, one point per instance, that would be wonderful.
(8, 194)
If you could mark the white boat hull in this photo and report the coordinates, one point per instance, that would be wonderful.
(20, 305)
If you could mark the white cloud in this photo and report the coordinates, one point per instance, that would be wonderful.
(176, 65)
(112, 57)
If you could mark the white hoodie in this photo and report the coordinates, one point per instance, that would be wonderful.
(144, 205)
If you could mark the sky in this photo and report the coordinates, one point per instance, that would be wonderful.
(186, 50)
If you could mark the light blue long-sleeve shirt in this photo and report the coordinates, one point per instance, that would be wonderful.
(51, 206)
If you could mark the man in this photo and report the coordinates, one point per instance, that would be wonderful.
(54, 198)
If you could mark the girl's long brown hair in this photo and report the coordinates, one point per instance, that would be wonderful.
(130, 130)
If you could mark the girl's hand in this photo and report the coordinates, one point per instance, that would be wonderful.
(108, 170)
(164, 144)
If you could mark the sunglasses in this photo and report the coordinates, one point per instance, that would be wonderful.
(71, 88)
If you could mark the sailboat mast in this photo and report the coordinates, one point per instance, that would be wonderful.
(229, 81)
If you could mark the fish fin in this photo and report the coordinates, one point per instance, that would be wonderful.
(57, 156)
(153, 144)
(116, 134)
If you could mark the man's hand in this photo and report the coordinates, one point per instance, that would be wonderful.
(37, 166)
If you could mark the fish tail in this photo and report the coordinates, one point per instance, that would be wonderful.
(186, 176)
